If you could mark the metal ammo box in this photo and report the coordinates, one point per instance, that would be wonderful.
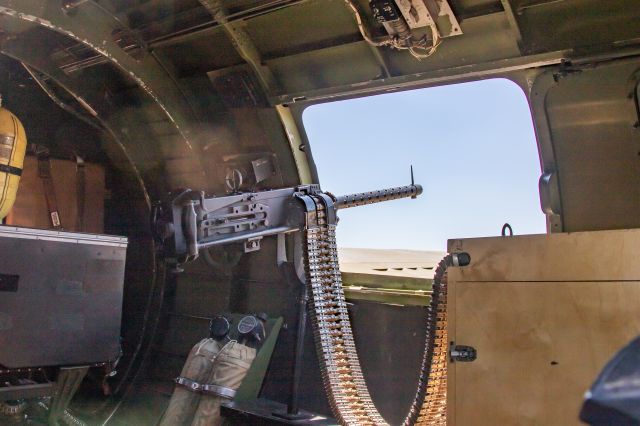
(60, 297)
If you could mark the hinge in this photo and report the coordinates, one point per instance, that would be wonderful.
(566, 68)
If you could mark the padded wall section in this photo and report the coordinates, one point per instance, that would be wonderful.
(593, 116)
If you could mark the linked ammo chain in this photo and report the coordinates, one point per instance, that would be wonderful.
(342, 375)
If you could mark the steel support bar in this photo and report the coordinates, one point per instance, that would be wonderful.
(243, 237)
(384, 66)
(242, 43)
(423, 79)
(513, 21)
(531, 4)
(297, 146)
(93, 27)
(39, 390)
(201, 29)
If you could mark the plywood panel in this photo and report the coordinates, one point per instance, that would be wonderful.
(540, 346)
(545, 314)
(579, 256)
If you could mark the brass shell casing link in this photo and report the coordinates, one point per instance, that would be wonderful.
(344, 383)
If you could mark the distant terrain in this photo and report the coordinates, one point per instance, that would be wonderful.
(404, 263)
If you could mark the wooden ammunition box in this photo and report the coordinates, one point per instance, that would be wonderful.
(545, 313)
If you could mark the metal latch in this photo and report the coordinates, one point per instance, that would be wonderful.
(252, 244)
(462, 353)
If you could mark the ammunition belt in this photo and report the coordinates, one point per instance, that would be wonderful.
(341, 372)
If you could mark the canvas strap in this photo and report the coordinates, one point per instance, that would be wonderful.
(44, 173)
(206, 388)
(80, 192)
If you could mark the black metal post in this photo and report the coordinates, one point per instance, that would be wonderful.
(299, 351)
(293, 409)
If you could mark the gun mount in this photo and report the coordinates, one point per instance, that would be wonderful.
(197, 222)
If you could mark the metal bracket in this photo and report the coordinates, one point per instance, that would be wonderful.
(310, 212)
(548, 186)
(422, 13)
(566, 69)
(242, 43)
(68, 382)
(205, 388)
(252, 244)
(330, 208)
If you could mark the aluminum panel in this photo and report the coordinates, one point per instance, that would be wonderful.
(62, 302)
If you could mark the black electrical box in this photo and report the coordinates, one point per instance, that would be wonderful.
(384, 10)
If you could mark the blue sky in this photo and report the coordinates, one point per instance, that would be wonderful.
(473, 150)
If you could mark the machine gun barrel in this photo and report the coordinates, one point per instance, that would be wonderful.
(196, 222)
(378, 196)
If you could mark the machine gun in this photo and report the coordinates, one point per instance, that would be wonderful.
(196, 222)
(199, 223)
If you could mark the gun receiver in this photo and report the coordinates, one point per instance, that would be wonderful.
(197, 223)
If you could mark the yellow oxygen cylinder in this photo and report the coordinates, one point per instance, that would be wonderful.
(13, 144)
